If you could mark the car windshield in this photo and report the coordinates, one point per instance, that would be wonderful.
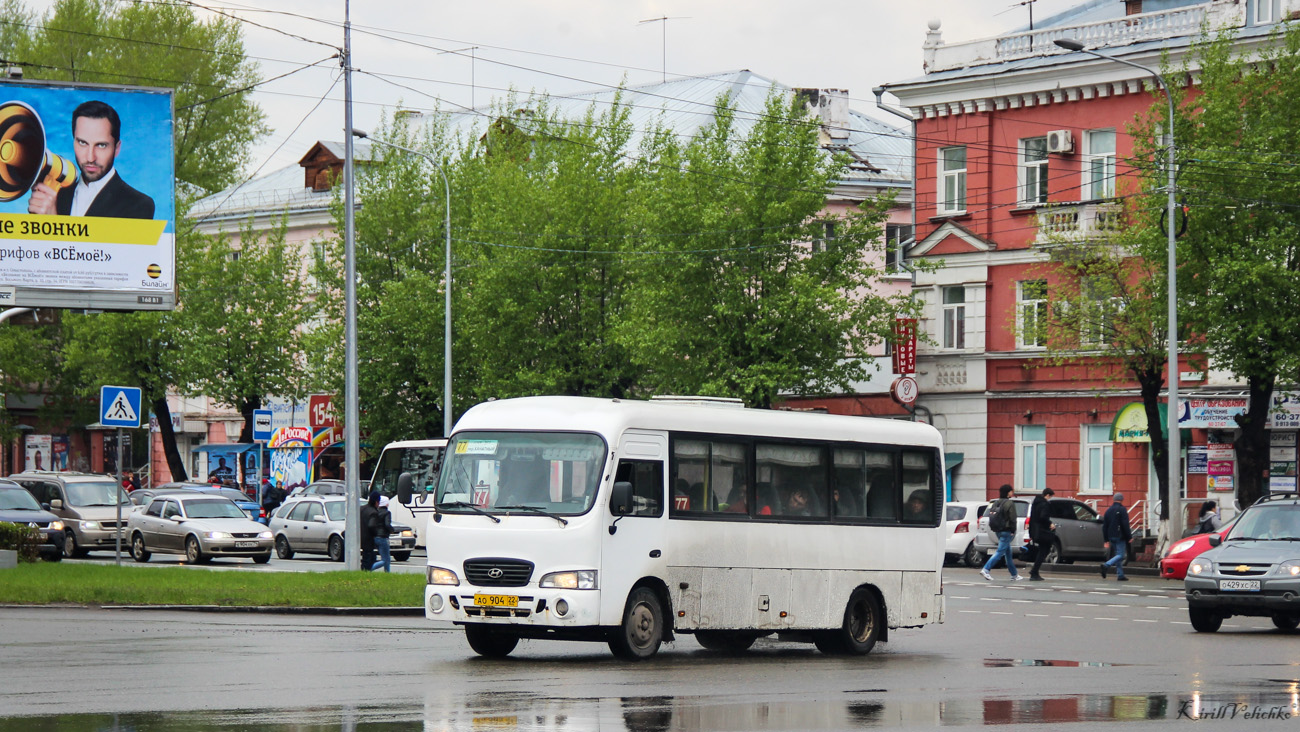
(503, 472)
(97, 493)
(17, 499)
(1268, 522)
(231, 494)
(421, 462)
(335, 510)
(210, 508)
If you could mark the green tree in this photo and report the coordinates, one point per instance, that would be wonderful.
(1239, 262)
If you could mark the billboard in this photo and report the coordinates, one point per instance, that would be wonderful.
(87, 200)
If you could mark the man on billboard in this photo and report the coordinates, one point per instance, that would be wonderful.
(100, 191)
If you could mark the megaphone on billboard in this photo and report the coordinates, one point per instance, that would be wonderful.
(24, 161)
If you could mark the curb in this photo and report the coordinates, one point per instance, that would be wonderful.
(279, 610)
(1078, 568)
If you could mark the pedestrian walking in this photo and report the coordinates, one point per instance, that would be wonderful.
(272, 498)
(383, 528)
(368, 513)
(1209, 519)
(1117, 531)
(1042, 532)
(1002, 521)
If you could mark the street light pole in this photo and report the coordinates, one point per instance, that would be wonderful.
(446, 276)
(1175, 446)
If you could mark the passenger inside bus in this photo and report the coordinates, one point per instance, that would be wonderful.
(844, 503)
(918, 506)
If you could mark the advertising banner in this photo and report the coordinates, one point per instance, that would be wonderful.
(39, 448)
(59, 446)
(904, 346)
(222, 465)
(1285, 412)
(291, 457)
(1210, 413)
(1197, 461)
(87, 196)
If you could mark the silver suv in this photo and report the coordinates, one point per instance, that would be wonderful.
(1253, 570)
(86, 502)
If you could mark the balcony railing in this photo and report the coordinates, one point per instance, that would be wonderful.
(1063, 224)
(1129, 29)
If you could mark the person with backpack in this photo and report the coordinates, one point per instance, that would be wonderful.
(1209, 518)
(1117, 532)
(1002, 521)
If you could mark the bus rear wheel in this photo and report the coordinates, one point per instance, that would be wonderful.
(642, 629)
(490, 643)
(860, 629)
(725, 641)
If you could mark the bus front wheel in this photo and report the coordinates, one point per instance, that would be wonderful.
(642, 630)
(860, 629)
(490, 643)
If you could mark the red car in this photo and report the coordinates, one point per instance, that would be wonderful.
(1174, 563)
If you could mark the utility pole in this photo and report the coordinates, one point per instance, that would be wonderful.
(351, 412)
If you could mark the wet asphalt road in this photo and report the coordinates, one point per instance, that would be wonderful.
(1073, 649)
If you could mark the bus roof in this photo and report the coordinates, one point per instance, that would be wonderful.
(612, 416)
(439, 442)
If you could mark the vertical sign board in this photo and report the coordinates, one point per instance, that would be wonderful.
(119, 406)
(1282, 461)
(87, 225)
(262, 425)
(904, 346)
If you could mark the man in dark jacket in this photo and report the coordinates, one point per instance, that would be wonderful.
(1118, 533)
(369, 514)
(1041, 531)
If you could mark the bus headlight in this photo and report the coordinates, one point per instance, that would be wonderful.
(440, 576)
(582, 579)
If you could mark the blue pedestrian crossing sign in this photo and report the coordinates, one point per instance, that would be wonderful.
(119, 406)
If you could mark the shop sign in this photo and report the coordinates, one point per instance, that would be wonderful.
(1211, 413)
(1197, 463)
(1285, 413)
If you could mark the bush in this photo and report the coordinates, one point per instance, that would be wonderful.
(24, 539)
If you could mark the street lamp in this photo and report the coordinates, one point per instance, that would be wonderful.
(1175, 463)
(446, 275)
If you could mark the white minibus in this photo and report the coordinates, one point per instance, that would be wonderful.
(630, 522)
(420, 459)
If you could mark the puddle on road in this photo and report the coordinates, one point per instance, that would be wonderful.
(1025, 662)
(850, 710)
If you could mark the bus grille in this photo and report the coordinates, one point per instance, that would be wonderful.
(498, 572)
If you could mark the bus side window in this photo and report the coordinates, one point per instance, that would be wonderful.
(647, 479)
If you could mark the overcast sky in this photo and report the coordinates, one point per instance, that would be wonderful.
(567, 46)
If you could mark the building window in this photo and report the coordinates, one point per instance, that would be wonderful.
(1099, 164)
(954, 317)
(1097, 455)
(1031, 458)
(1033, 170)
(952, 180)
(1265, 11)
(896, 237)
(1031, 314)
(1097, 325)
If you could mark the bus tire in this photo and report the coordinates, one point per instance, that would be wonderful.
(490, 643)
(642, 629)
(725, 641)
(858, 633)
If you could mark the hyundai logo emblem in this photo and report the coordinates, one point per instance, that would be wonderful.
(495, 573)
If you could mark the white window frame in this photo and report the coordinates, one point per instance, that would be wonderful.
(1263, 12)
(954, 318)
(1038, 307)
(956, 202)
(1031, 458)
(896, 235)
(1095, 329)
(1032, 173)
(1105, 188)
(1096, 447)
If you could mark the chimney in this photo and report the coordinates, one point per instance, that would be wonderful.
(832, 107)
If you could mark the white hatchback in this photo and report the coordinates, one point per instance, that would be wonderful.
(961, 523)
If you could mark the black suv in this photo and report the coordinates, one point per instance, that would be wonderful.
(17, 506)
(1253, 570)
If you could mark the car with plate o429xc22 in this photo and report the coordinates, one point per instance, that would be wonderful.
(1253, 570)
(199, 526)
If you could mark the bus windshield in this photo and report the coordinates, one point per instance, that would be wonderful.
(508, 472)
(421, 462)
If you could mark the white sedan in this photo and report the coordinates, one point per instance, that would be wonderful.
(199, 526)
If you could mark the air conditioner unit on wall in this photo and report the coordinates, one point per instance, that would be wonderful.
(1060, 141)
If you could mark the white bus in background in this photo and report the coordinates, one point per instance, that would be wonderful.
(421, 459)
(630, 522)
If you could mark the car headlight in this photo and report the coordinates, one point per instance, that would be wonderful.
(582, 579)
(1180, 547)
(217, 535)
(1200, 566)
(265, 535)
(90, 526)
(440, 576)
(1291, 567)
(56, 526)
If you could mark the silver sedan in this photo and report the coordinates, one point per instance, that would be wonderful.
(200, 527)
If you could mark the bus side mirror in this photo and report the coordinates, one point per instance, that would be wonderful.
(620, 500)
(404, 489)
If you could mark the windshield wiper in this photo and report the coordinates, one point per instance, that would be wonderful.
(470, 506)
(534, 509)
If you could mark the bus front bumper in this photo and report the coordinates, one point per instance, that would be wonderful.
(528, 606)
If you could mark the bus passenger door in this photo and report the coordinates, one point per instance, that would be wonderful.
(637, 547)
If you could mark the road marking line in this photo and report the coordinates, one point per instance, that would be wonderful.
(1180, 622)
(1036, 615)
(1095, 592)
(1072, 617)
(1022, 600)
(1087, 604)
(1074, 591)
(970, 611)
(1140, 620)
(1158, 607)
(1052, 602)
(1105, 618)
(995, 612)
(1127, 594)
(959, 597)
(991, 599)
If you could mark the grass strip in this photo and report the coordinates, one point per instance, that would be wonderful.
(44, 583)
